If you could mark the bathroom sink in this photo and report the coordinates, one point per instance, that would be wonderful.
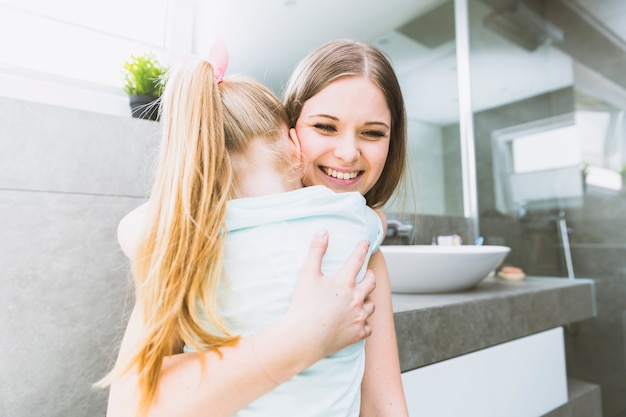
(437, 269)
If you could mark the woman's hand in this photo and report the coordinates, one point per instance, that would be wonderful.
(332, 312)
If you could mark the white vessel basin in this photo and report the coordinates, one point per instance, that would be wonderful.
(435, 269)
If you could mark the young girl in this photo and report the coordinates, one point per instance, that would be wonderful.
(215, 255)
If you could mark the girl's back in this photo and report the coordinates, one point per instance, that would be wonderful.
(265, 248)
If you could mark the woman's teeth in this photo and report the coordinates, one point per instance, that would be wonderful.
(341, 175)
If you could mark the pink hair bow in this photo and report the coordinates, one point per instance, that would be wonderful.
(218, 57)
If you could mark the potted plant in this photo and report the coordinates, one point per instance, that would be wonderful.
(144, 82)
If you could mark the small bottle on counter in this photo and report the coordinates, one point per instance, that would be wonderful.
(451, 240)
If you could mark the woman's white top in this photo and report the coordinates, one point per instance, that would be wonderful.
(267, 242)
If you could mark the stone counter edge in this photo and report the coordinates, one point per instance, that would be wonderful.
(491, 314)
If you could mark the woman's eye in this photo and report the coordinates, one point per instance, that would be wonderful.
(325, 127)
(375, 134)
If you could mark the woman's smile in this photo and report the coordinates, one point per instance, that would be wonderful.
(341, 175)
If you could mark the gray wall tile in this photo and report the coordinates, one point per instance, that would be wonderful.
(67, 177)
(50, 148)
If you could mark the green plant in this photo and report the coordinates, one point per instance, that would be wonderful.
(144, 75)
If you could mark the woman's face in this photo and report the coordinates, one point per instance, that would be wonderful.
(344, 135)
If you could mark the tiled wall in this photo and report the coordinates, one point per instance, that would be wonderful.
(66, 179)
(596, 348)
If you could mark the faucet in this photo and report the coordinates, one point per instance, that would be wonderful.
(396, 228)
(561, 226)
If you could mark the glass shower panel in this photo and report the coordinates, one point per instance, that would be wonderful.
(548, 98)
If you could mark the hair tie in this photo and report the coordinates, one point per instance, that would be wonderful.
(218, 57)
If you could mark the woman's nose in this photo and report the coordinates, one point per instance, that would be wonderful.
(347, 149)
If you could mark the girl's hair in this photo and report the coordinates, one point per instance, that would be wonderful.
(179, 262)
(346, 58)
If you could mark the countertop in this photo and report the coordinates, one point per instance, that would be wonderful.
(434, 327)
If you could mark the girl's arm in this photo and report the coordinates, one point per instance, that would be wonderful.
(258, 363)
(381, 389)
(129, 230)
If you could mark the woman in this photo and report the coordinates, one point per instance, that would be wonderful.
(345, 106)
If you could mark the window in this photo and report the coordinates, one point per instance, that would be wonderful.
(74, 45)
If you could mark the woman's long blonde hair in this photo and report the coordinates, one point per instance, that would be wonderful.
(179, 262)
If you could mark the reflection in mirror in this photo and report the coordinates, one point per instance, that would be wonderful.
(549, 163)
(535, 94)
(423, 52)
(537, 165)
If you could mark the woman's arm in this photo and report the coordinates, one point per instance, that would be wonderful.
(258, 363)
(381, 390)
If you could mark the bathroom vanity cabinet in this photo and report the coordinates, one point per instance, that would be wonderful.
(495, 350)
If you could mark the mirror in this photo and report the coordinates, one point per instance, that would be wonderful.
(423, 52)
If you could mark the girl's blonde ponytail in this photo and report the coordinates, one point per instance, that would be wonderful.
(179, 263)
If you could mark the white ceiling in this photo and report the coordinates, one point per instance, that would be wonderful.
(266, 39)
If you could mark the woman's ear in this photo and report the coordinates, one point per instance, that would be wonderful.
(295, 144)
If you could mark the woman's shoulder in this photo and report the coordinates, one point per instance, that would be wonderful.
(383, 219)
